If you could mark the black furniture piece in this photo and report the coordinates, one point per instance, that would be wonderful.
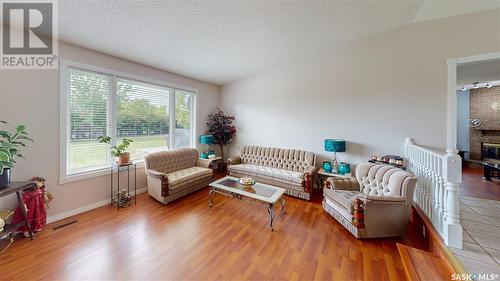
(18, 187)
(118, 199)
(491, 170)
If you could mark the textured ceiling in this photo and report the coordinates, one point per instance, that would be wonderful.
(219, 41)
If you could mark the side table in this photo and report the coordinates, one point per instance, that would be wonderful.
(122, 198)
(216, 160)
(17, 187)
(323, 175)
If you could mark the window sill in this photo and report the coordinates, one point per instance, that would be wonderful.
(91, 174)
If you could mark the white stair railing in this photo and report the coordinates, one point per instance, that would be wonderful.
(439, 176)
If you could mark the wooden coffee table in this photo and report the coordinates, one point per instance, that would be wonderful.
(259, 193)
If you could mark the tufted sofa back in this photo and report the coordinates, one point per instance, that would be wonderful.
(171, 161)
(384, 180)
(285, 159)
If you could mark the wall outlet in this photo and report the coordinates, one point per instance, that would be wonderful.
(423, 231)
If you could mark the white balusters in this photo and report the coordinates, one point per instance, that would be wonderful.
(439, 176)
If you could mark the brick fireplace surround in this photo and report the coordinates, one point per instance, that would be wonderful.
(484, 105)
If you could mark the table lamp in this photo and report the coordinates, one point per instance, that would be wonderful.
(206, 140)
(335, 145)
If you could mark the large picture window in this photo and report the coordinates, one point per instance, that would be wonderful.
(156, 117)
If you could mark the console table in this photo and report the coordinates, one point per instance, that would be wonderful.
(17, 187)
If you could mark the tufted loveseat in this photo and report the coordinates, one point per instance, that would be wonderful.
(176, 173)
(376, 203)
(291, 169)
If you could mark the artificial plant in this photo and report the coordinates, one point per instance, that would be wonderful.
(10, 146)
(221, 127)
(116, 150)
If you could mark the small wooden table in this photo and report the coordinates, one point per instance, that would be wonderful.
(215, 160)
(17, 187)
(490, 170)
(323, 175)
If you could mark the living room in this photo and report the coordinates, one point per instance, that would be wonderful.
(348, 80)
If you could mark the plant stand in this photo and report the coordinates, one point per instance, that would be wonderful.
(122, 197)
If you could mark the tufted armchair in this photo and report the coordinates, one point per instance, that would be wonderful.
(376, 203)
(291, 169)
(176, 173)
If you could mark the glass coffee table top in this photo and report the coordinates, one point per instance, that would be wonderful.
(260, 191)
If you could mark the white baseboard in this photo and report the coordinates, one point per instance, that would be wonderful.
(86, 208)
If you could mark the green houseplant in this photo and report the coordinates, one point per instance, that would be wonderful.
(119, 151)
(10, 148)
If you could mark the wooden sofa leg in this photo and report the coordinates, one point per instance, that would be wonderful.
(358, 214)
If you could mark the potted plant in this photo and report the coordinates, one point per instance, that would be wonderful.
(118, 151)
(221, 127)
(10, 147)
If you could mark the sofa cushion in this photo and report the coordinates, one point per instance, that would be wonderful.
(183, 177)
(344, 198)
(272, 173)
(171, 161)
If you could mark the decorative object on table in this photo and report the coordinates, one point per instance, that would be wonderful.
(4, 216)
(36, 201)
(394, 160)
(119, 151)
(122, 198)
(206, 140)
(247, 181)
(221, 127)
(211, 152)
(10, 148)
(344, 168)
(327, 166)
(211, 156)
(335, 146)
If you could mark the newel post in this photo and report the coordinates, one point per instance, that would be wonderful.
(452, 179)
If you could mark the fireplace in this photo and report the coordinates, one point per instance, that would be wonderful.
(490, 152)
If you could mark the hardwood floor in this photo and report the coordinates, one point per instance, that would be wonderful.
(188, 240)
(474, 185)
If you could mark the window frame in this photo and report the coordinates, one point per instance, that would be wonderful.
(64, 118)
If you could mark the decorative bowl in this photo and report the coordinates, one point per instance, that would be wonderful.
(247, 181)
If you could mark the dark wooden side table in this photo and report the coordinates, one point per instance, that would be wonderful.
(491, 170)
(18, 187)
(117, 198)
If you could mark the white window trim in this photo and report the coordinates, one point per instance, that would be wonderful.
(64, 117)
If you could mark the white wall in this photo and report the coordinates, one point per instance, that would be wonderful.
(463, 116)
(373, 93)
(31, 97)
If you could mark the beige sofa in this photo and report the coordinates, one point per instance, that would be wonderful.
(176, 173)
(376, 203)
(287, 168)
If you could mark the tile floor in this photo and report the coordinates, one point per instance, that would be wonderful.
(481, 235)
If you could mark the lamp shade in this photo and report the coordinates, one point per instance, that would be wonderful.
(332, 145)
(207, 139)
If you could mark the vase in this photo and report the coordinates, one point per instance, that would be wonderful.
(344, 168)
(327, 166)
(124, 158)
(5, 178)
